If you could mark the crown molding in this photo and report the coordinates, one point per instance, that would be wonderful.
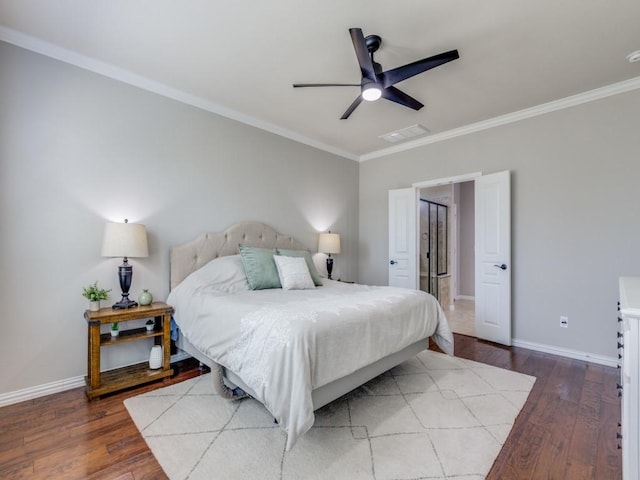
(578, 99)
(108, 70)
(37, 45)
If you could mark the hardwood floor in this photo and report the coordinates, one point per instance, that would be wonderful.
(566, 429)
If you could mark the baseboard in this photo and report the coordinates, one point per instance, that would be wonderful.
(565, 352)
(60, 386)
(67, 384)
(40, 391)
(466, 297)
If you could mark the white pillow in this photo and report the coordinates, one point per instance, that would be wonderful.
(225, 274)
(293, 272)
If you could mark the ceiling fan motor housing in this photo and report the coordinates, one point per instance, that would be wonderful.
(373, 43)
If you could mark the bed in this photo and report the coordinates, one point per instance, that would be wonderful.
(294, 350)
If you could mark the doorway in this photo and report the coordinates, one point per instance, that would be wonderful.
(446, 251)
(492, 247)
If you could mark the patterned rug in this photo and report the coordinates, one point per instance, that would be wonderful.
(433, 417)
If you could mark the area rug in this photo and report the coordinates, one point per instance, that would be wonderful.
(432, 417)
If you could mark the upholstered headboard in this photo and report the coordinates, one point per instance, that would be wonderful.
(191, 256)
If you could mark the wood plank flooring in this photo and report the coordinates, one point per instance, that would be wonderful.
(566, 430)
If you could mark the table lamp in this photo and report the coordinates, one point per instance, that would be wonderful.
(329, 243)
(125, 240)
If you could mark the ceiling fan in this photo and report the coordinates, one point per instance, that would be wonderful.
(375, 83)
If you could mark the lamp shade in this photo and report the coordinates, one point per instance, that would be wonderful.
(329, 243)
(125, 240)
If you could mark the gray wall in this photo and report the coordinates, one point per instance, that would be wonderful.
(78, 149)
(575, 215)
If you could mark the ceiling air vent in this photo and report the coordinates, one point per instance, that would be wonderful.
(405, 133)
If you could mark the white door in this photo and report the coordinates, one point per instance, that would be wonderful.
(403, 238)
(493, 257)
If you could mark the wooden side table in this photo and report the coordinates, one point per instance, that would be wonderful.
(100, 383)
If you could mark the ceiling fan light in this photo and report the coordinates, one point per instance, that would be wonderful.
(371, 92)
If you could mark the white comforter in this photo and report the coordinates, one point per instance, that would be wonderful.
(285, 343)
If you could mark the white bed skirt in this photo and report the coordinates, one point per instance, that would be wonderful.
(325, 394)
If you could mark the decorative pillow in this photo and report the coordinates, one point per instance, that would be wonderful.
(259, 267)
(315, 276)
(293, 272)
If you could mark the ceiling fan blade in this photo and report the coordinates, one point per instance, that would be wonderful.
(351, 108)
(302, 85)
(395, 75)
(395, 95)
(362, 52)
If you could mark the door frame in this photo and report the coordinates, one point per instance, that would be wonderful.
(468, 177)
(449, 180)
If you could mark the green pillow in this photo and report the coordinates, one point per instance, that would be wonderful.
(307, 256)
(259, 267)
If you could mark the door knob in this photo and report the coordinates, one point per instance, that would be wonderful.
(393, 262)
(501, 267)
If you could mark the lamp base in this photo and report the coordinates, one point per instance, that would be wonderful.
(329, 266)
(125, 272)
(124, 303)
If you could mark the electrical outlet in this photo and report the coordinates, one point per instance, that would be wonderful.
(564, 322)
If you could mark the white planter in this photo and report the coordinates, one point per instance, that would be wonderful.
(115, 333)
(94, 306)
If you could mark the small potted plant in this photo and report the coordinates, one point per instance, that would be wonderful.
(150, 325)
(115, 329)
(94, 294)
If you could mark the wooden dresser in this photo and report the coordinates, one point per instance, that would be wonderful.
(629, 344)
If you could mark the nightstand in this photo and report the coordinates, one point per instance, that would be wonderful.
(100, 383)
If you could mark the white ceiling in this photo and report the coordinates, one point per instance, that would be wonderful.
(239, 58)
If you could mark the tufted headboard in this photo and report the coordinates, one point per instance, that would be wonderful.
(189, 257)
